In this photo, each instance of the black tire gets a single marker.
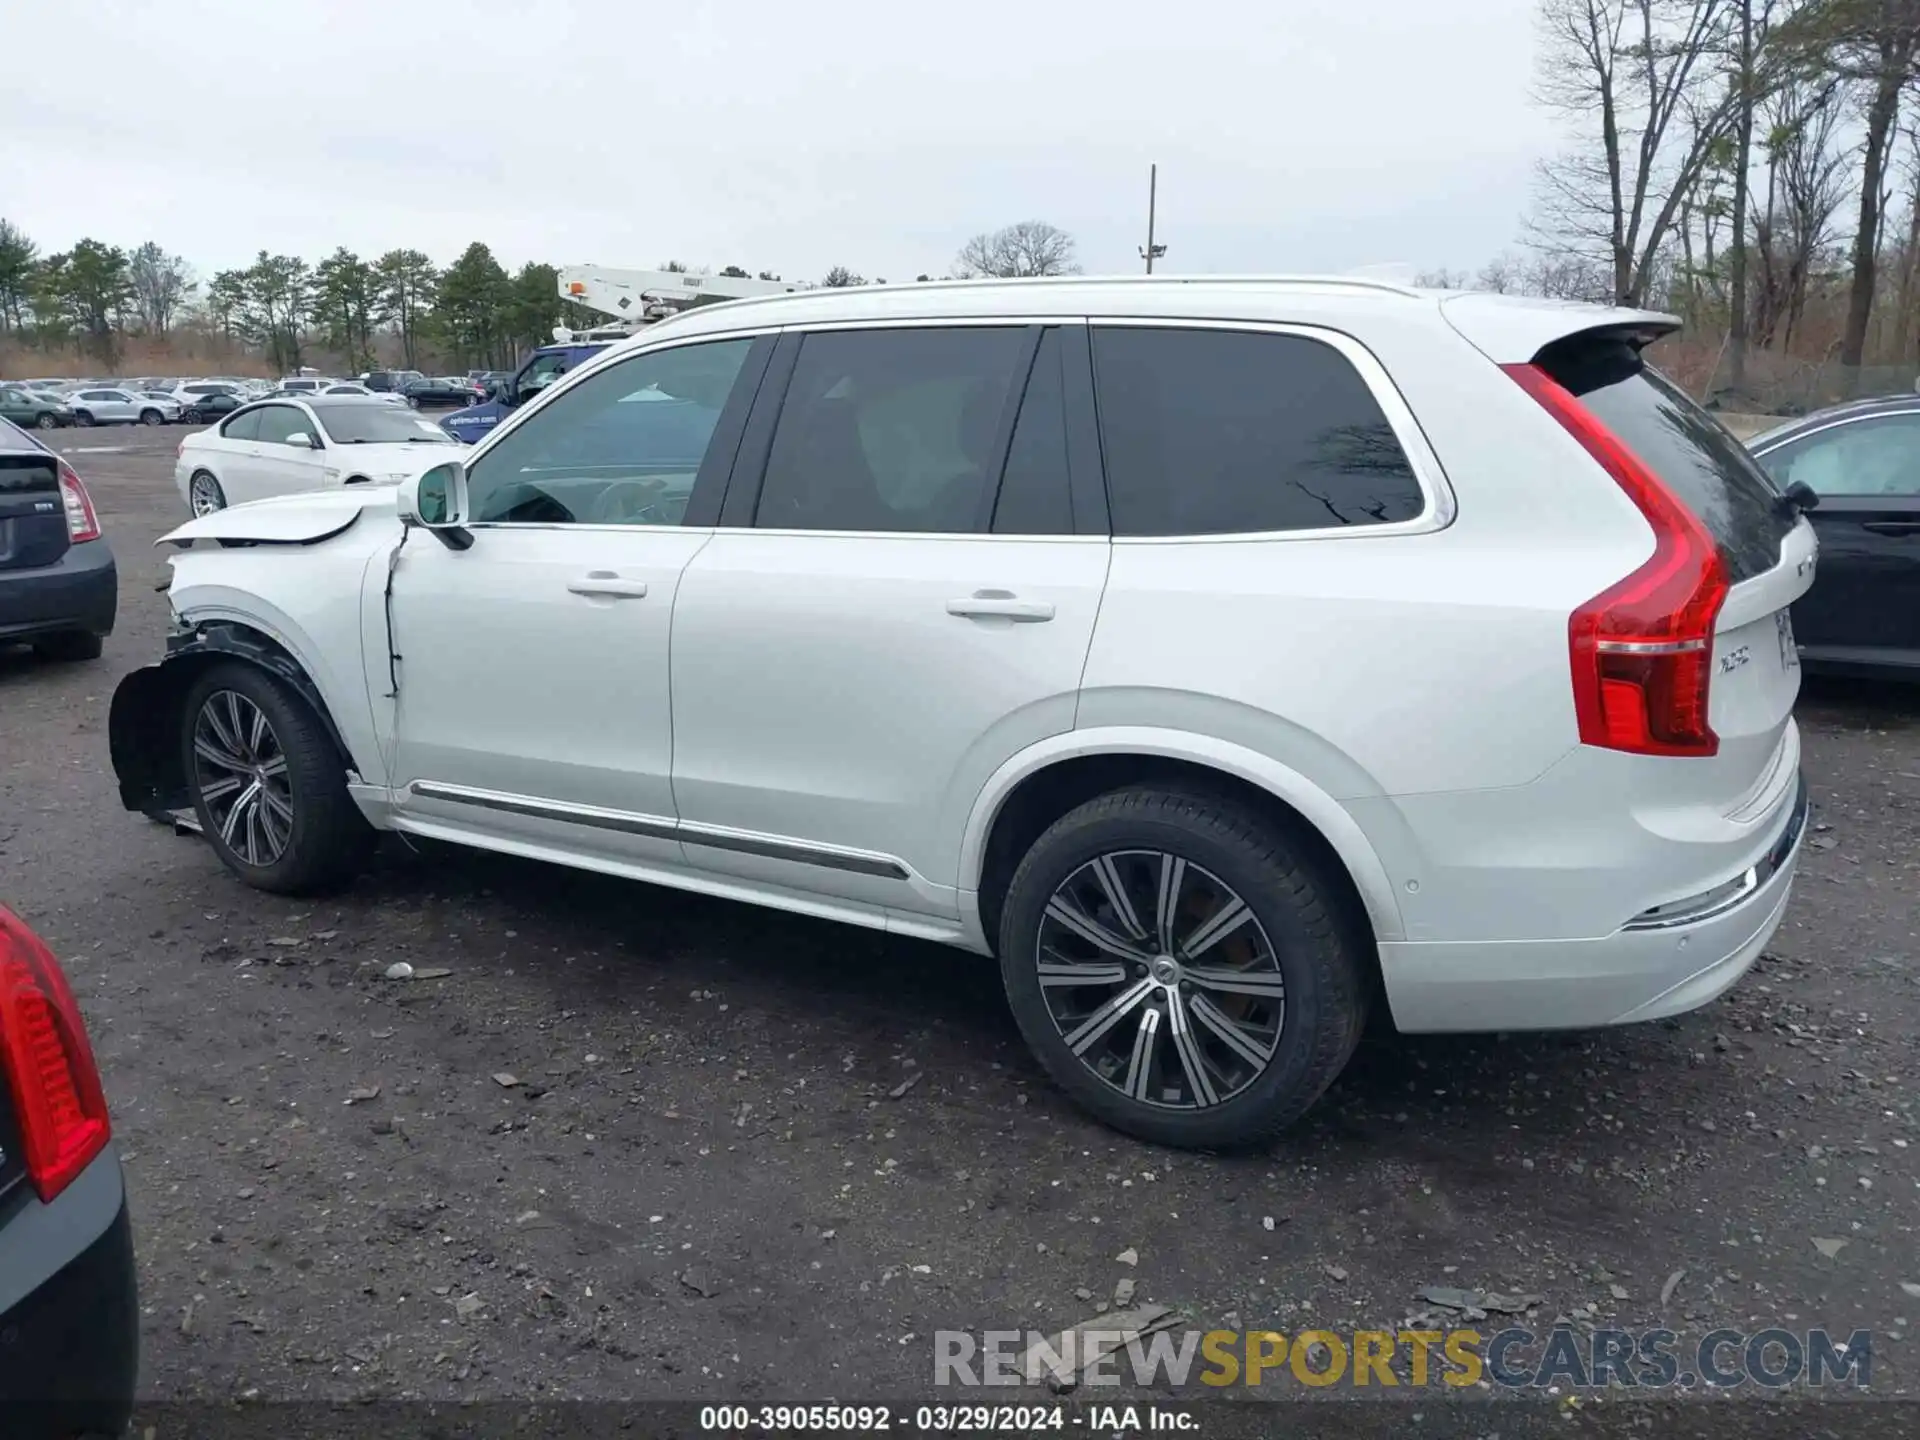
(83, 417)
(327, 837)
(69, 645)
(151, 417)
(1319, 957)
(45, 420)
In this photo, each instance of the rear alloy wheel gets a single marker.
(151, 417)
(204, 495)
(1178, 967)
(269, 787)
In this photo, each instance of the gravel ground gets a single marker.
(639, 1144)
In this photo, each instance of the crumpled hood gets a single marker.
(302, 519)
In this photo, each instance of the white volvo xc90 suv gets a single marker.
(1225, 656)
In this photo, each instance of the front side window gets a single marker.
(1222, 432)
(541, 372)
(1862, 457)
(891, 430)
(623, 448)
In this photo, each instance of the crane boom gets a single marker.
(635, 298)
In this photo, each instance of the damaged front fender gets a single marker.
(145, 721)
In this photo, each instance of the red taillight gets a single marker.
(1642, 649)
(82, 523)
(49, 1065)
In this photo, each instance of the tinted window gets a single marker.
(1212, 432)
(279, 423)
(890, 430)
(1710, 471)
(1880, 456)
(1034, 494)
(244, 426)
(623, 448)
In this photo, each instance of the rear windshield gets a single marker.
(368, 423)
(30, 474)
(1702, 464)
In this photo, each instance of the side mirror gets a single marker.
(436, 501)
(300, 440)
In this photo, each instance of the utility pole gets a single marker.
(1152, 251)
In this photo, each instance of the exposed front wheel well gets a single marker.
(357, 480)
(1046, 795)
(143, 722)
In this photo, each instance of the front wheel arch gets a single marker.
(143, 722)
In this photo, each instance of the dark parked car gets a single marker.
(395, 380)
(69, 1314)
(441, 394)
(205, 409)
(59, 589)
(1862, 615)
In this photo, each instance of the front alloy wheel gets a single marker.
(240, 772)
(1160, 979)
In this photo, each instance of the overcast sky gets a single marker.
(781, 136)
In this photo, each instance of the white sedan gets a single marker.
(281, 447)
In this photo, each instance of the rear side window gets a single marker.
(891, 430)
(1705, 467)
(1035, 492)
(244, 426)
(1221, 432)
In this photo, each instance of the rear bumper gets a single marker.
(1660, 965)
(69, 1345)
(81, 591)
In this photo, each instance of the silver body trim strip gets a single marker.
(1730, 895)
(659, 827)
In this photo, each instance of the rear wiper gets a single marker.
(1797, 499)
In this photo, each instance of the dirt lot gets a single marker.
(709, 1183)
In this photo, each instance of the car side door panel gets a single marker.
(1864, 606)
(841, 695)
(532, 708)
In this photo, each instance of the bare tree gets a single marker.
(1029, 247)
(1630, 76)
(160, 283)
(1874, 47)
(1753, 19)
(1805, 186)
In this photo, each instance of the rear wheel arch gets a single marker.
(1014, 813)
(146, 714)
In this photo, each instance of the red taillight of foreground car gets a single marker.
(1642, 650)
(82, 522)
(49, 1064)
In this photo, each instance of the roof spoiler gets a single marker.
(1513, 330)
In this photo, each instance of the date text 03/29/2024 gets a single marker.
(960, 1419)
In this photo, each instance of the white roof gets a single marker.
(1507, 328)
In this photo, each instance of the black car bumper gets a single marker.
(70, 1347)
(80, 591)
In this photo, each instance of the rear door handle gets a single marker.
(1003, 604)
(607, 585)
(1892, 527)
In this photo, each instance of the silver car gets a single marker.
(110, 405)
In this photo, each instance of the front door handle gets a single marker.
(1892, 527)
(1002, 604)
(604, 584)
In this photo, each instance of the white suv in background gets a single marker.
(1222, 655)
